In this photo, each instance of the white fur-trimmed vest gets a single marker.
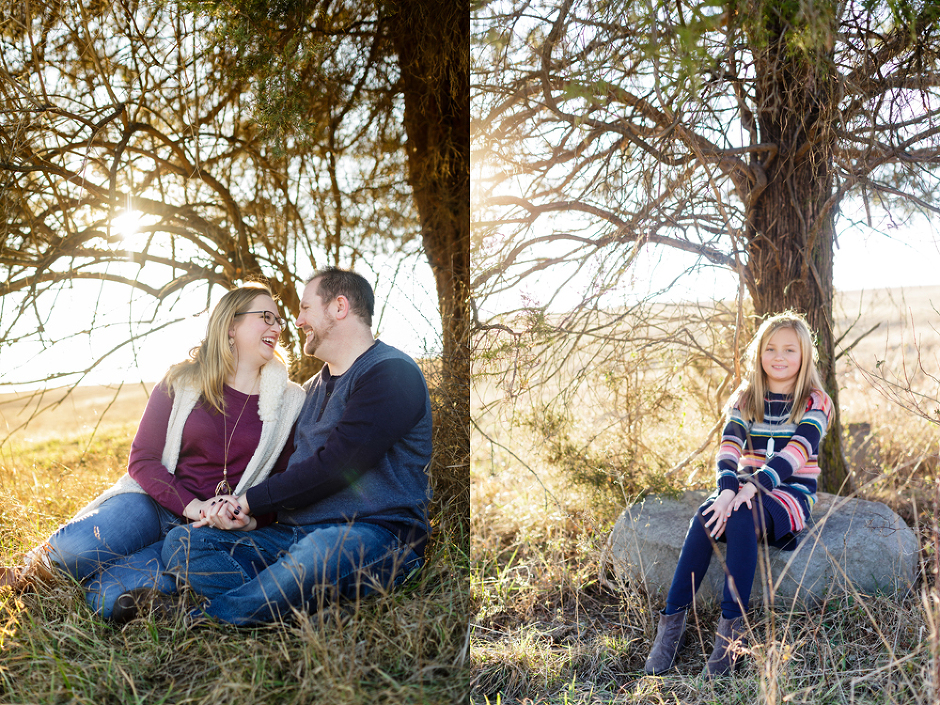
(279, 404)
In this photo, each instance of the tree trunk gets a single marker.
(432, 41)
(790, 230)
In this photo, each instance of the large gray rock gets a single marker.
(849, 542)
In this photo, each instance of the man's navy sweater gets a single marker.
(362, 447)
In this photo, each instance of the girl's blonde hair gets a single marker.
(213, 359)
(750, 395)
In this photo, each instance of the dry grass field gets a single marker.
(33, 416)
(547, 487)
(405, 647)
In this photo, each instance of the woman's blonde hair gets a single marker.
(213, 359)
(750, 395)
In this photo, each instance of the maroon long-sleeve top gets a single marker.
(202, 452)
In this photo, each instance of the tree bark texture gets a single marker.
(790, 229)
(432, 40)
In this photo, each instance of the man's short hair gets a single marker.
(333, 282)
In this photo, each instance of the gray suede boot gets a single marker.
(729, 643)
(670, 637)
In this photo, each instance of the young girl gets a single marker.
(767, 478)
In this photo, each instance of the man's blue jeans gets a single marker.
(115, 548)
(264, 575)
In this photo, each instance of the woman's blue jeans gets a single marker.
(254, 577)
(115, 548)
(741, 534)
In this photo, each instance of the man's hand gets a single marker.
(720, 511)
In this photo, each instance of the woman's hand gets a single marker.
(225, 512)
(196, 509)
(745, 494)
(720, 510)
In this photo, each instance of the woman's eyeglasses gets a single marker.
(269, 317)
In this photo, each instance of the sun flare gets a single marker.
(127, 224)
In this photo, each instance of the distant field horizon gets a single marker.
(59, 411)
(31, 417)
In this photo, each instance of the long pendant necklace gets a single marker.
(770, 441)
(223, 487)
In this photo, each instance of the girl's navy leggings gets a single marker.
(742, 532)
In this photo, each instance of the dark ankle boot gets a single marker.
(670, 638)
(729, 643)
(142, 601)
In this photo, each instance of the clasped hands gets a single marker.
(222, 512)
(727, 502)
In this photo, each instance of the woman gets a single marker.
(219, 422)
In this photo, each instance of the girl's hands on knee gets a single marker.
(745, 494)
(720, 510)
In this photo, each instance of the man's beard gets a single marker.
(316, 337)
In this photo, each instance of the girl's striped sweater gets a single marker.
(781, 457)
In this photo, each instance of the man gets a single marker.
(351, 505)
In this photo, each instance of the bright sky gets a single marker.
(865, 259)
(406, 317)
(862, 261)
